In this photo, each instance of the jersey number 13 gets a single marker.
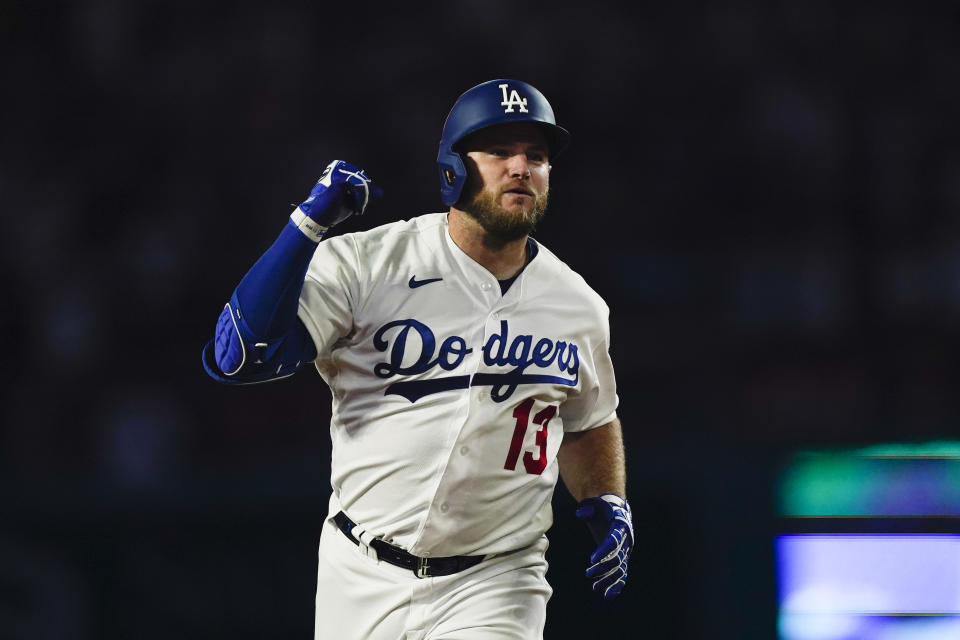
(542, 418)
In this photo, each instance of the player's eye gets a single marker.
(537, 156)
(499, 152)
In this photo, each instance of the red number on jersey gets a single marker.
(537, 465)
(522, 415)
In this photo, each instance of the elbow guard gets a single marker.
(237, 356)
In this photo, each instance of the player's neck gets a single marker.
(502, 259)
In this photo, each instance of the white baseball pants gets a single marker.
(362, 598)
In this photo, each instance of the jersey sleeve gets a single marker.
(596, 403)
(330, 292)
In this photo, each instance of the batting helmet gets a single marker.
(491, 103)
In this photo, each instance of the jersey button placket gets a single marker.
(491, 326)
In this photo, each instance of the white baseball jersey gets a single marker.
(450, 399)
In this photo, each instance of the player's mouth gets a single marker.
(520, 191)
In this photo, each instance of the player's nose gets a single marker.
(518, 165)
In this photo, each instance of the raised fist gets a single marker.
(343, 190)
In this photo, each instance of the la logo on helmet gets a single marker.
(514, 100)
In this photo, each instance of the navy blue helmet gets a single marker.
(491, 103)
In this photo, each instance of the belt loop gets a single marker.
(363, 541)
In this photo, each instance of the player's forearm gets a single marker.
(592, 462)
(269, 293)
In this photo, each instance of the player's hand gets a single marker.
(608, 517)
(343, 190)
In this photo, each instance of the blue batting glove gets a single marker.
(609, 520)
(343, 190)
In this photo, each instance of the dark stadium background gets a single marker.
(766, 194)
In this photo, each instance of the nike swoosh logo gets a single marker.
(414, 283)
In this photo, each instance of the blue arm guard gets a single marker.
(255, 362)
(258, 336)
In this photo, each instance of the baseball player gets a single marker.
(469, 368)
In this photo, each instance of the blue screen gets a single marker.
(868, 587)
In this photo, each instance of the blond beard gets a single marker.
(485, 208)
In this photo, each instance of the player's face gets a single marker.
(508, 179)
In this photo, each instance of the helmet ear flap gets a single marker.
(453, 176)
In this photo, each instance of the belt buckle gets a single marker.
(423, 565)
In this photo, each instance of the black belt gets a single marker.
(421, 567)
